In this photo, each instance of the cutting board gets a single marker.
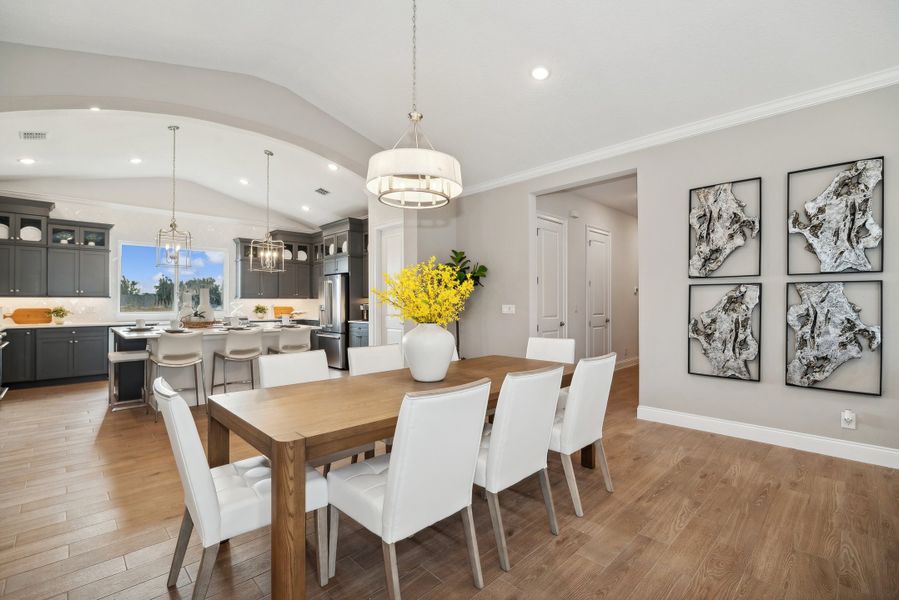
(282, 310)
(24, 316)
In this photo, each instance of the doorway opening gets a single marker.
(586, 268)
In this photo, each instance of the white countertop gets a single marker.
(125, 333)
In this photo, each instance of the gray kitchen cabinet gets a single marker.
(53, 354)
(70, 352)
(89, 351)
(358, 335)
(62, 272)
(269, 285)
(7, 270)
(315, 280)
(93, 273)
(293, 282)
(30, 271)
(77, 273)
(18, 356)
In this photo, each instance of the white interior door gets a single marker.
(390, 260)
(551, 301)
(599, 318)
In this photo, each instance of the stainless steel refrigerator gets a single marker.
(333, 318)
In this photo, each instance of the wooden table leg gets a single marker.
(218, 440)
(289, 519)
(588, 456)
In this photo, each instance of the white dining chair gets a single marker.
(297, 367)
(579, 422)
(375, 359)
(177, 351)
(515, 446)
(551, 349)
(427, 477)
(226, 501)
(304, 367)
(555, 350)
(240, 347)
(293, 339)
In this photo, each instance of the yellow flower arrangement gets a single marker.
(427, 293)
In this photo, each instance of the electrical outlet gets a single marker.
(508, 309)
(847, 419)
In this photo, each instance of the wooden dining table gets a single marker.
(294, 424)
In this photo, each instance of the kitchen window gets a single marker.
(145, 289)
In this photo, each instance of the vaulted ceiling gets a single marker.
(619, 70)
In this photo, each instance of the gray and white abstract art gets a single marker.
(725, 334)
(839, 223)
(720, 225)
(827, 329)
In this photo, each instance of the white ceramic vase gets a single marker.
(205, 306)
(429, 351)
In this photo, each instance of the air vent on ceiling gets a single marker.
(32, 136)
(322, 191)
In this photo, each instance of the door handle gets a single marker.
(331, 336)
(561, 323)
(608, 320)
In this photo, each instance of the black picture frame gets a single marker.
(882, 218)
(787, 289)
(729, 286)
(690, 234)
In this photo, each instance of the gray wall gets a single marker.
(622, 229)
(496, 226)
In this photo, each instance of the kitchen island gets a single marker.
(213, 341)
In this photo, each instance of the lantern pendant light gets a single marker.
(173, 244)
(267, 255)
(414, 177)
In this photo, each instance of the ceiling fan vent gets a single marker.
(322, 191)
(33, 136)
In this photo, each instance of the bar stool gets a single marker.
(178, 351)
(240, 346)
(293, 340)
(118, 358)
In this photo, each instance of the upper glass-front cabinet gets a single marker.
(23, 228)
(62, 234)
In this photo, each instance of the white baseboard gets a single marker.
(627, 362)
(866, 453)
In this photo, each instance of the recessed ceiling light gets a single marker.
(244, 181)
(95, 109)
(136, 161)
(332, 166)
(27, 161)
(539, 73)
(305, 208)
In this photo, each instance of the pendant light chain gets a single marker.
(174, 130)
(268, 163)
(414, 59)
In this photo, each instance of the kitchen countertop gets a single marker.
(9, 324)
(125, 334)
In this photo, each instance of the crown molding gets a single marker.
(822, 95)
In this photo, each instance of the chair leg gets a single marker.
(548, 500)
(153, 371)
(471, 540)
(187, 526)
(204, 575)
(391, 571)
(225, 375)
(212, 381)
(252, 375)
(203, 381)
(321, 546)
(607, 477)
(572, 484)
(197, 382)
(332, 541)
(498, 531)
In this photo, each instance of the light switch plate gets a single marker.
(508, 309)
(847, 419)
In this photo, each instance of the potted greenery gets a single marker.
(260, 310)
(465, 270)
(433, 296)
(59, 314)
